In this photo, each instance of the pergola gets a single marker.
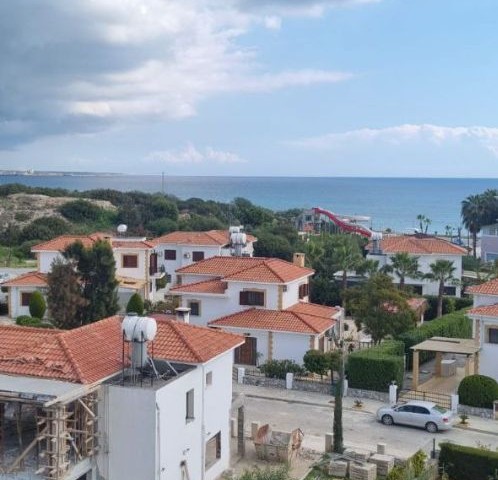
(440, 345)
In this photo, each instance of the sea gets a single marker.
(389, 202)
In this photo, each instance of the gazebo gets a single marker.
(441, 345)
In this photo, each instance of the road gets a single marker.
(360, 428)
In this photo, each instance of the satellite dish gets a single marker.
(122, 228)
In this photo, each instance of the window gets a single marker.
(421, 410)
(417, 289)
(304, 290)
(169, 254)
(130, 261)
(195, 308)
(189, 403)
(25, 298)
(213, 450)
(197, 256)
(251, 297)
(209, 378)
(493, 335)
(450, 291)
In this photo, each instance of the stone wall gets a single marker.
(370, 394)
(301, 385)
(478, 412)
(264, 382)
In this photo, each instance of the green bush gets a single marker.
(279, 368)
(374, 370)
(80, 211)
(456, 325)
(450, 305)
(467, 463)
(27, 321)
(478, 391)
(135, 304)
(268, 473)
(37, 305)
(316, 361)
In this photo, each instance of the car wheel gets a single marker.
(431, 427)
(387, 420)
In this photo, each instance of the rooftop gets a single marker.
(209, 238)
(207, 286)
(93, 352)
(29, 279)
(487, 288)
(485, 310)
(448, 345)
(418, 245)
(250, 269)
(279, 320)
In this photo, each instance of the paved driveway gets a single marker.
(361, 430)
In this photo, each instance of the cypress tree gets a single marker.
(135, 305)
(37, 305)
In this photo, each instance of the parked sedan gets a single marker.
(426, 415)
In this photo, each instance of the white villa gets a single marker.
(264, 299)
(484, 315)
(101, 410)
(428, 249)
(179, 249)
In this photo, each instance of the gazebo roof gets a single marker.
(464, 346)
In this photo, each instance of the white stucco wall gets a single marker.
(291, 296)
(488, 355)
(484, 300)
(291, 346)
(140, 272)
(211, 307)
(45, 260)
(14, 300)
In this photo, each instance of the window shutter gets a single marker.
(243, 298)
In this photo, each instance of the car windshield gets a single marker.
(439, 409)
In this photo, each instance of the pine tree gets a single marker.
(65, 296)
(97, 270)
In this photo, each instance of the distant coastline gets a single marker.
(43, 173)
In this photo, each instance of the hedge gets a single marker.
(280, 368)
(456, 325)
(467, 463)
(450, 305)
(478, 391)
(375, 368)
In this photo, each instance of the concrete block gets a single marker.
(381, 448)
(233, 427)
(338, 468)
(385, 463)
(367, 471)
(329, 442)
(254, 429)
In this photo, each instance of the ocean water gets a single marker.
(390, 202)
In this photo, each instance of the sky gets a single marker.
(369, 88)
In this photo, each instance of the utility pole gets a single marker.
(162, 182)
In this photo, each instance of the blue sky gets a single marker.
(250, 87)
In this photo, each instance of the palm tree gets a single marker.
(442, 272)
(424, 223)
(404, 265)
(473, 214)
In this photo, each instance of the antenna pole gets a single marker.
(162, 182)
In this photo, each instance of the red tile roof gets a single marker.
(485, 310)
(419, 245)
(250, 269)
(93, 352)
(314, 309)
(59, 244)
(138, 244)
(29, 279)
(276, 320)
(209, 238)
(207, 286)
(487, 288)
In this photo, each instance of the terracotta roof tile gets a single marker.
(59, 244)
(251, 269)
(207, 286)
(93, 352)
(29, 279)
(209, 238)
(487, 288)
(136, 244)
(276, 320)
(314, 309)
(485, 310)
(419, 245)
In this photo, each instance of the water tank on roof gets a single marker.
(235, 229)
(122, 228)
(139, 329)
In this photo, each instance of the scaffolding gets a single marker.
(66, 434)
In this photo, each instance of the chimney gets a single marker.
(183, 314)
(298, 259)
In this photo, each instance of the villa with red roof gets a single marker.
(179, 249)
(97, 414)
(484, 315)
(427, 249)
(264, 299)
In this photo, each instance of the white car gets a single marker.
(416, 413)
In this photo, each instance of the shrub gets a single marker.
(37, 305)
(81, 211)
(478, 391)
(135, 304)
(450, 305)
(268, 473)
(467, 463)
(279, 368)
(44, 228)
(27, 321)
(397, 473)
(455, 324)
(417, 462)
(316, 361)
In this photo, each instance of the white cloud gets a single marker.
(107, 61)
(191, 155)
(486, 137)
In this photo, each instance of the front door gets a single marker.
(246, 354)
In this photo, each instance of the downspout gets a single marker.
(203, 426)
(158, 441)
